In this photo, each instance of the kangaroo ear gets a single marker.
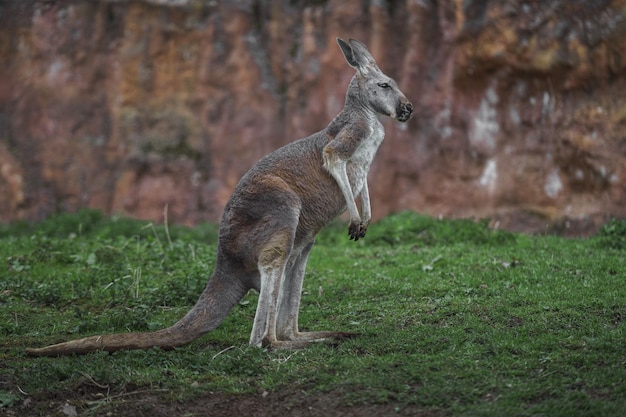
(348, 53)
(357, 55)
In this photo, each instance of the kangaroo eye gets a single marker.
(384, 85)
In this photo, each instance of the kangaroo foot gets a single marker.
(323, 336)
(301, 340)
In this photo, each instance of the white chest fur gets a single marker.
(359, 164)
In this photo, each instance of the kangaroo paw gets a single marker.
(356, 230)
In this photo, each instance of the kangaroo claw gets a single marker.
(357, 230)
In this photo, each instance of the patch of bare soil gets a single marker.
(284, 404)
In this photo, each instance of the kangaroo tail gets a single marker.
(218, 298)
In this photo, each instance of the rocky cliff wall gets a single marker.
(128, 106)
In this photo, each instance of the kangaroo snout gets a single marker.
(404, 111)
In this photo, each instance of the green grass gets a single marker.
(454, 317)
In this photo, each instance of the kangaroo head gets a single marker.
(375, 89)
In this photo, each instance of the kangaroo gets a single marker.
(268, 226)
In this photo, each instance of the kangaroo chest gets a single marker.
(359, 164)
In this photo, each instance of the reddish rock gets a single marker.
(128, 106)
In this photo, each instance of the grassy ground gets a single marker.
(455, 319)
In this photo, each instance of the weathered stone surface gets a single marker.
(129, 106)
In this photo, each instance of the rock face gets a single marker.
(129, 106)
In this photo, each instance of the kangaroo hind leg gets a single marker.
(272, 262)
(289, 335)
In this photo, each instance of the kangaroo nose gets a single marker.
(404, 111)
